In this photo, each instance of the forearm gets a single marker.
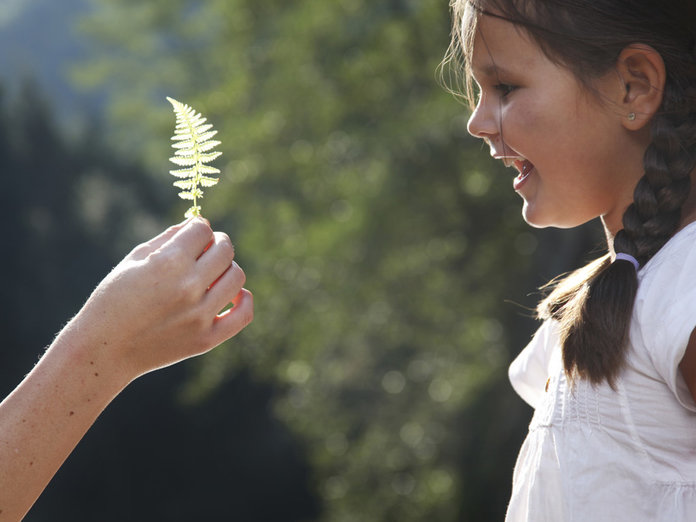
(46, 416)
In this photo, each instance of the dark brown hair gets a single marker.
(594, 304)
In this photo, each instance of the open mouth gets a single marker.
(525, 168)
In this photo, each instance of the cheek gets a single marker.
(527, 119)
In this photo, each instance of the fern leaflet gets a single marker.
(194, 150)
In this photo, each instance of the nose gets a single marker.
(483, 122)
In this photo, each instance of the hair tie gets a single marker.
(628, 257)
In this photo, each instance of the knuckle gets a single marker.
(200, 226)
(201, 229)
(225, 245)
(240, 276)
(166, 261)
(138, 251)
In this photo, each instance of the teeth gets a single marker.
(526, 167)
(522, 165)
(511, 161)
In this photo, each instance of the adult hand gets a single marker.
(164, 301)
(161, 304)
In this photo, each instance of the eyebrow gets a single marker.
(491, 70)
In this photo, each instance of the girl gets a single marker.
(593, 102)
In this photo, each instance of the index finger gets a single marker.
(143, 250)
(193, 237)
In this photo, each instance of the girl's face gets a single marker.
(574, 158)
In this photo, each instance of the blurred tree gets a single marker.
(63, 217)
(380, 243)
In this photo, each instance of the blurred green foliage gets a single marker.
(380, 242)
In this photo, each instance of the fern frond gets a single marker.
(182, 173)
(193, 149)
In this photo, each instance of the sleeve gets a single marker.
(667, 316)
(529, 371)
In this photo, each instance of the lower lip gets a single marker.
(520, 180)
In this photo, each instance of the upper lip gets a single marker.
(510, 160)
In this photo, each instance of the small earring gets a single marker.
(631, 116)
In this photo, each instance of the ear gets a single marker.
(642, 72)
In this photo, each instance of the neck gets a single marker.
(688, 215)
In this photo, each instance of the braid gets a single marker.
(596, 318)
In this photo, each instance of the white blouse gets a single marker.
(598, 454)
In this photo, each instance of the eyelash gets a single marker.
(504, 89)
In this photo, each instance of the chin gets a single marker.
(533, 217)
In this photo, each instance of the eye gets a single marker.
(504, 89)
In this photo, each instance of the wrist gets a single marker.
(86, 359)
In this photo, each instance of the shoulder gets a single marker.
(672, 266)
(668, 278)
(664, 314)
